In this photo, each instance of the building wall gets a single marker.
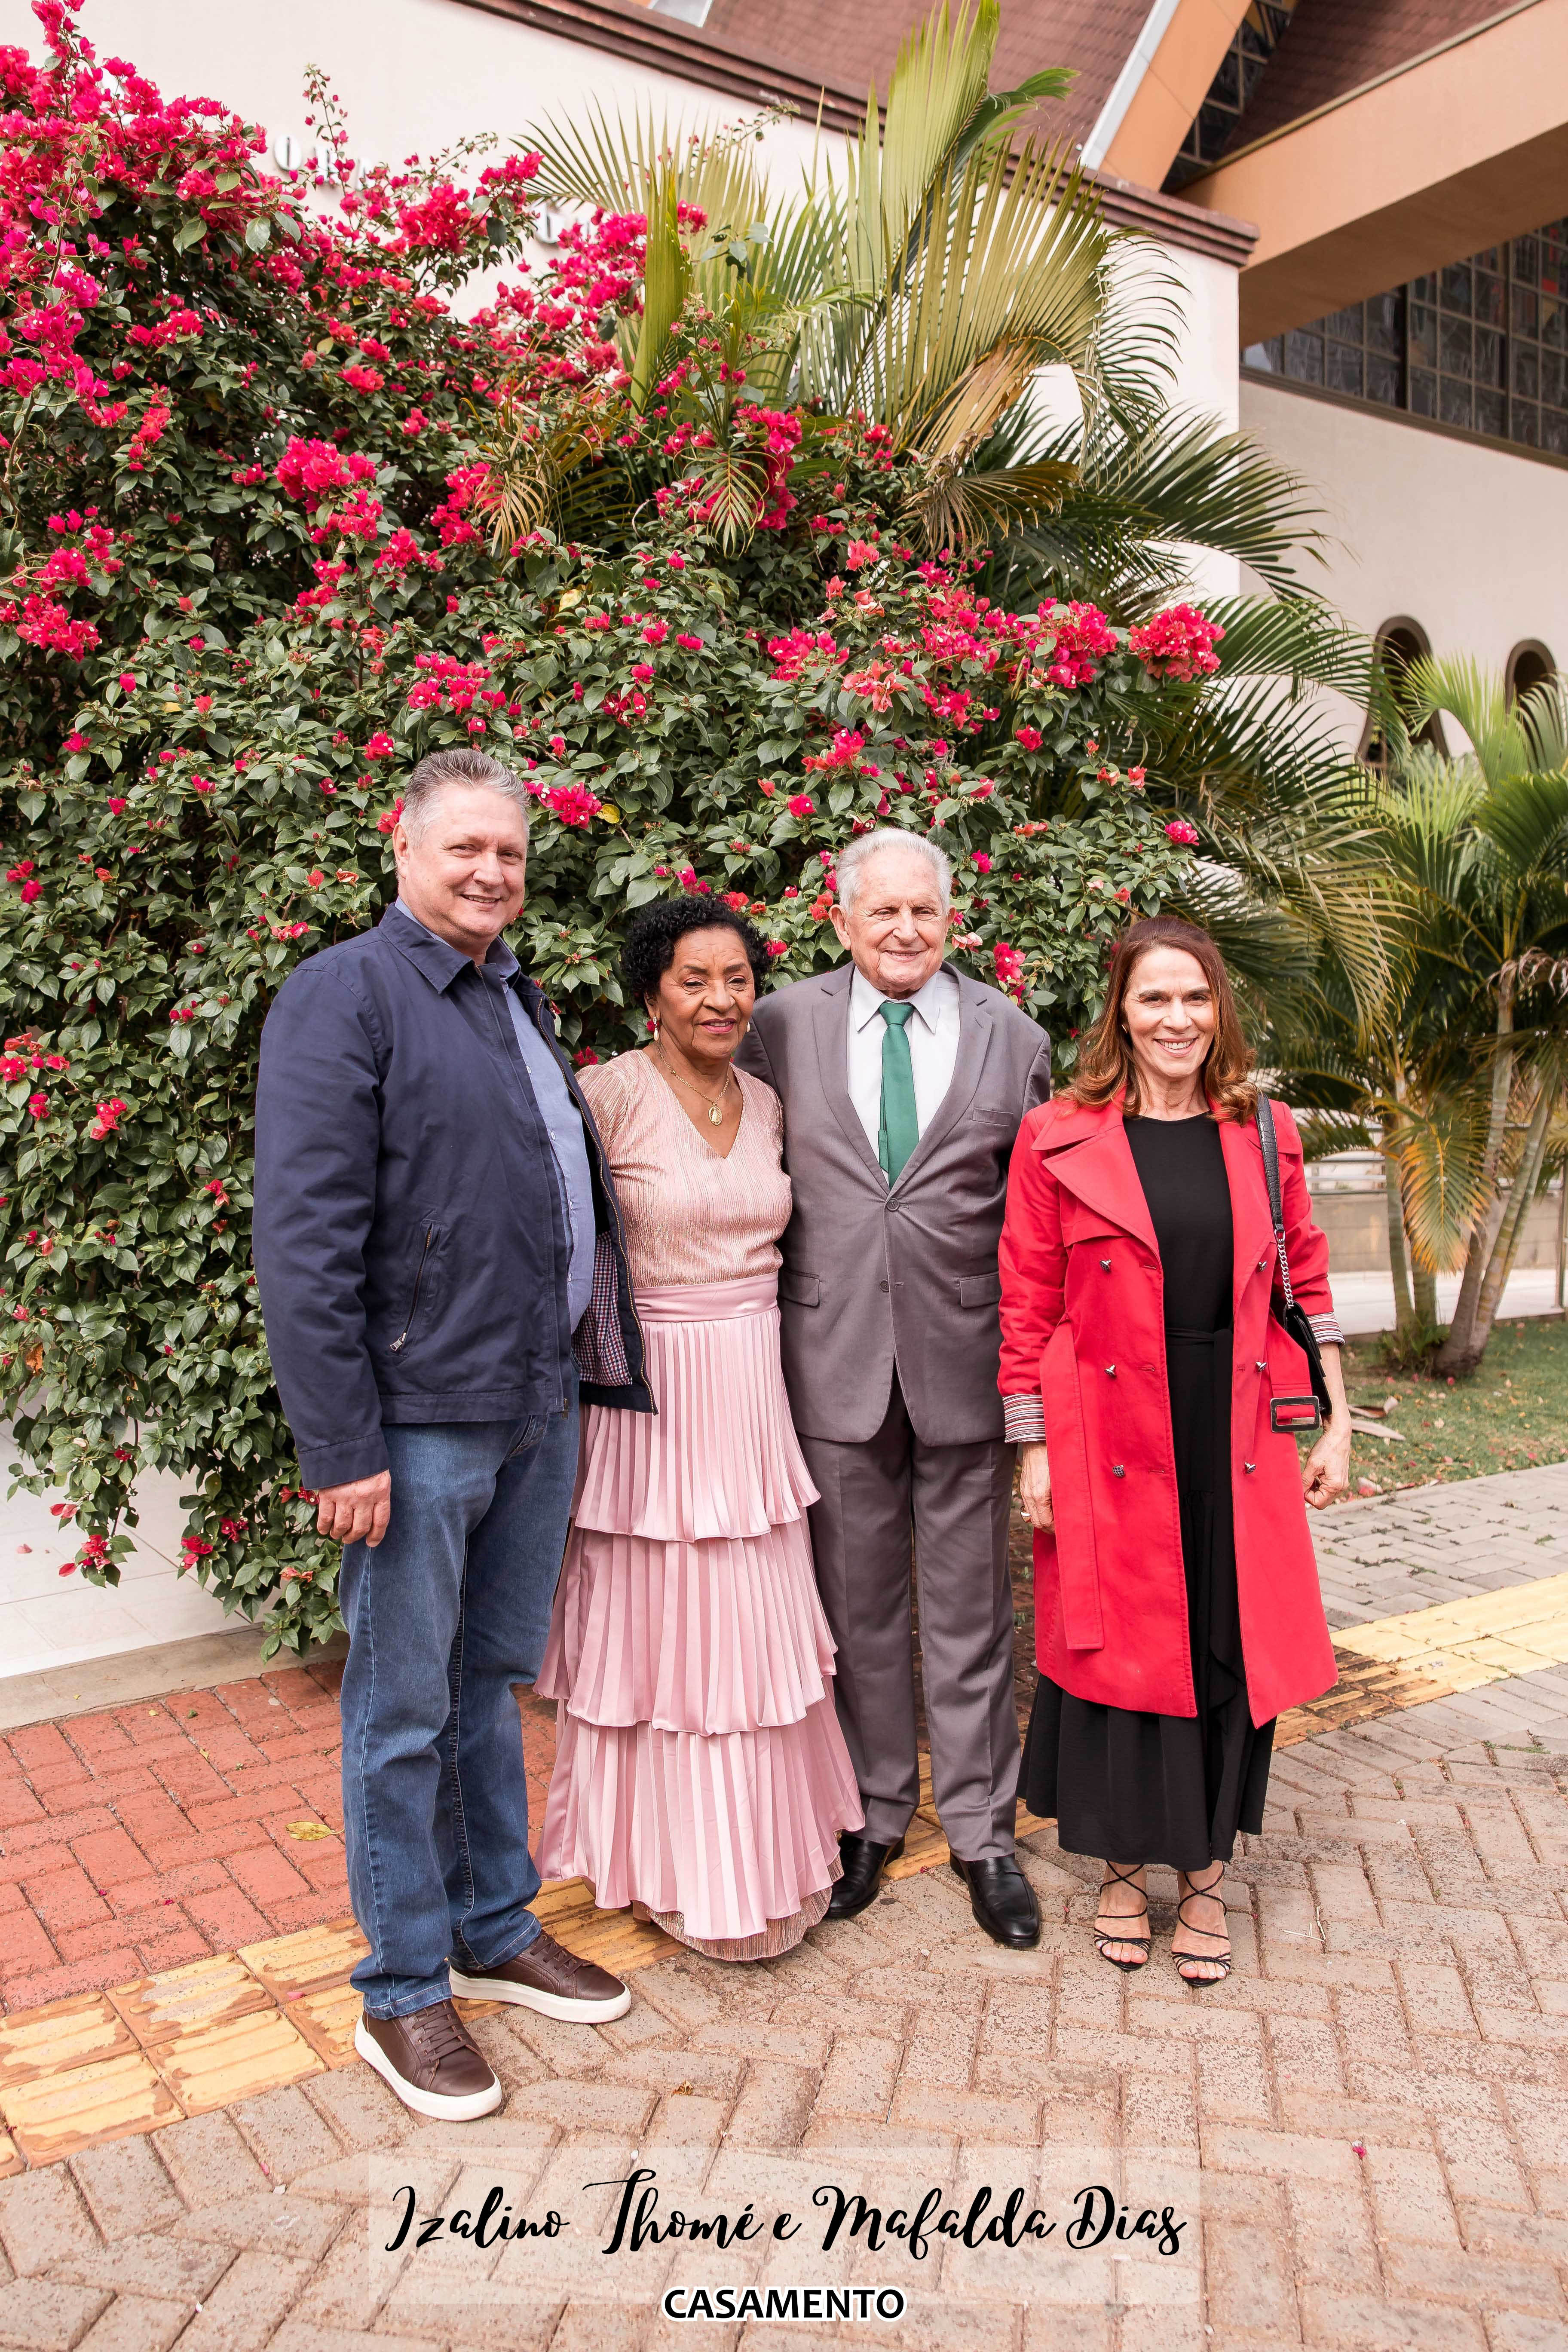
(414, 75)
(1464, 539)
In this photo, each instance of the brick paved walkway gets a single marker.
(1367, 2127)
(1365, 2130)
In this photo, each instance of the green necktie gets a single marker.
(899, 1129)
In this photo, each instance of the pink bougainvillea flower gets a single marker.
(802, 804)
(380, 747)
(1181, 831)
(1177, 642)
(575, 804)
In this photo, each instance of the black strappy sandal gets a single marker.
(1220, 1960)
(1124, 1878)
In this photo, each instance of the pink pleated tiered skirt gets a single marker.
(701, 1776)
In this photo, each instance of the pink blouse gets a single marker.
(691, 1215)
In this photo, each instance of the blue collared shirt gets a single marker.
(567, 1143)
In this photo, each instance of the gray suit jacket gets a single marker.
(874, 1278)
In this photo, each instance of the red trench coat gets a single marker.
(1083, 1324)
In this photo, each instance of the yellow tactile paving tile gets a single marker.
(311, 1957)
(62, 2036)
(219, 2063)
(198, 2037)
(614, 1938)
(1516, 1631)
(327, 2020)
(204, 1993)
(55, 2116)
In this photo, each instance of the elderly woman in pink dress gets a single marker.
(700, 1775)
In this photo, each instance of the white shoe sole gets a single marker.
(425, 2102)
(548, 2004)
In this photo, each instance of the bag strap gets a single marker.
(1270, 1148)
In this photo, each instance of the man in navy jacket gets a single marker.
(443, 1275)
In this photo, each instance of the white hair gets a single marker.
(866, 845)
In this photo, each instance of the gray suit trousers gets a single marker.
(948, 1505)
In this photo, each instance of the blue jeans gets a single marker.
(450, 1610)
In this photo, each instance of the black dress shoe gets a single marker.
(1001, 1899)
(864, 1862)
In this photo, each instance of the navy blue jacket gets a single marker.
(409, 1239)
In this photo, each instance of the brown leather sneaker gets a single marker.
(548, 1978)
(431, 2062)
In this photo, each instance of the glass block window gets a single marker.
(1230, 92)
(1480, 345)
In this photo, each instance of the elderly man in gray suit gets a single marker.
(903, 1084)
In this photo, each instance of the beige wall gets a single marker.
(1355, 1225)
(1466, 539)
(414, 73)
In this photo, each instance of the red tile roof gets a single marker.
(858, 44)
(1332, 47)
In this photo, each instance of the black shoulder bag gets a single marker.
(1289, 1413)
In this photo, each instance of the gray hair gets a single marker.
(464, 765)
(865, 847)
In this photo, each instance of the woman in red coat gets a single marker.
(1177, 1610)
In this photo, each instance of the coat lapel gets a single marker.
(830, 1024)
(1251, 1225)
(973, 1037)
(1094, 1161)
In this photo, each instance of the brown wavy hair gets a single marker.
(1105, 1062)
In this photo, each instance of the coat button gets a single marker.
(1249, 1465)
(882, 1285)
(1117, 1471)
(1105, 1261)
(1258, 1365)
(1110, 1372)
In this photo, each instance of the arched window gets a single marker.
(1529, 665)
(1399, 643)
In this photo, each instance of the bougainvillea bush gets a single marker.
(247, 578)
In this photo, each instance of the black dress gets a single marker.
(1120, 1784)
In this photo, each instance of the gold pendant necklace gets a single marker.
(715, 1116)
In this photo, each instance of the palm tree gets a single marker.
(927, 282)
(1508, 916)
(1396, 1069)
(1457, 1061)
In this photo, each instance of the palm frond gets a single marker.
(1472, 695)
(666, 281)
(937, 88)
(1437, 1153)
(960, 508)
(1008, 260)
(1543, 716)
(1294, 637)
(1181, 482)
(732, 491)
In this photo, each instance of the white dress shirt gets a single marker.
(932, 1033)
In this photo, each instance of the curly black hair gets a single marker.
(648, 949)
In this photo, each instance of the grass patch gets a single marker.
(1513, 1415)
